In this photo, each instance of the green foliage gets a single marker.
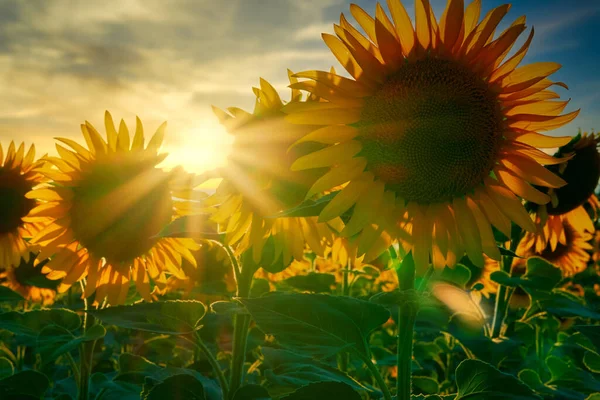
(477, 380)
(317, 324)
(9, 296)
(24, 385)
(175, 317)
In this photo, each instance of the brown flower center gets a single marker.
(118, 206)
(13, 204)
(432, 131)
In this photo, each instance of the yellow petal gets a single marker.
(328, 156)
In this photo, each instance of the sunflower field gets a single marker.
(401, 229)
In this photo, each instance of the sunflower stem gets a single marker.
(376, 374)
(241, 322)
(407, 316)
(214, 364)
(504, 294)
(343, 358)
(86, 354)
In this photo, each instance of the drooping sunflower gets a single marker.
(258, 184)
(573, 203)
(19, 173)
(27, 280)
(107, 203)
(436, 124)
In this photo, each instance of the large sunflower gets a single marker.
(19, 173)
(258, 184)
(434, 125)
(107, 203)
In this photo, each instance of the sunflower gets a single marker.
(570, 251)
(258, 184)
(106, 204)
(573, 202)
(434, 126)
(19, 173)
(28, 280)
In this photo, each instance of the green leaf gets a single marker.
(6, 368)
(593, 396)
(313, 282)
(227, 308)
(540, 275)
(191, 226)
(54, 341)
(426, 384)
(324, 391)
(507, 252)
(567, 374)
(30, 323)
(9, 296)
(24, 385)
(592, 361)
(108, 389)
(477, 380)
(176, 317)
(562, 304)
(180, 387)
(286, 369)
(252, 392)
(318, 324)
(308, 208)
(134, 368)
(460, 275)
(592, 332)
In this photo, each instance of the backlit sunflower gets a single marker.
(570, 251)
(28, 280)
(257, 183)
(19, 173)
(106, 204)
(571, 204)
(435, 125)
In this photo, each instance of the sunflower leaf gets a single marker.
(176, 317)
(28, 324)
(54, 341)
(24, 385)
(252, 392)
(322, 326)
(477, 380)
(324, 391)
(9, 296)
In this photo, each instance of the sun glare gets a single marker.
(202, 148)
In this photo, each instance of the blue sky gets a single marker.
(65, 61)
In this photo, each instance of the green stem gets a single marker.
(86, 355)
(74, 367)
(503, 295)
(241, 323)
(407, 315)
(343, 358)
(214, 364)
(376, 374)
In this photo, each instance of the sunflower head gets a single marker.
(19, 173)
(439, 125)
(27, 280)
(107, 203)
(581, 172)
(565, 246)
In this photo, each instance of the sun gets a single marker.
(204, 147)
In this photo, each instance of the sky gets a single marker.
(66, 61)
